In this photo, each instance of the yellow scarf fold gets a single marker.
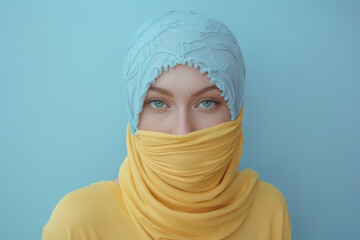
(187, 186)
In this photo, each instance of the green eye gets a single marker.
(157, 104)
(207, 103)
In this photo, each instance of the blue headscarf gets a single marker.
(175, 37)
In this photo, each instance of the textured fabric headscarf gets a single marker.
(175, 37)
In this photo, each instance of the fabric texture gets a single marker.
(95, 212)
(175, 37)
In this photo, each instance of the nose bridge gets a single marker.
(183, 124)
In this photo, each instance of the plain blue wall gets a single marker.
(63, 120)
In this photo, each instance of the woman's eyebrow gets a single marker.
(161, 90)
(203, 90)
(166, 92)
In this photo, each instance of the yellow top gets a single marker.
(94, 212)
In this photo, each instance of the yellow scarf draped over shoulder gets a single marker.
(187, 186)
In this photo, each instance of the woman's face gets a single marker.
(183, 100)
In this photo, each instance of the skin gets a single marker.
(181, 101)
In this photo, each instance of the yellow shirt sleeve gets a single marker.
(92, 212)
(268, 217)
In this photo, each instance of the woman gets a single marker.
(184, 80)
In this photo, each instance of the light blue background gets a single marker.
(63, 119)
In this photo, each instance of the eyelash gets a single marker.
(215, 103)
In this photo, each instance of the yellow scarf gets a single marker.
(187, 186)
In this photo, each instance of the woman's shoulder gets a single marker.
(88, 196)
(269, 208)
(269, 199)
(266, 194)
(270, 193)
(87, 206)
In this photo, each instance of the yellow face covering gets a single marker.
(187, 186)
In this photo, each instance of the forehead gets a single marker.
(182, 77)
